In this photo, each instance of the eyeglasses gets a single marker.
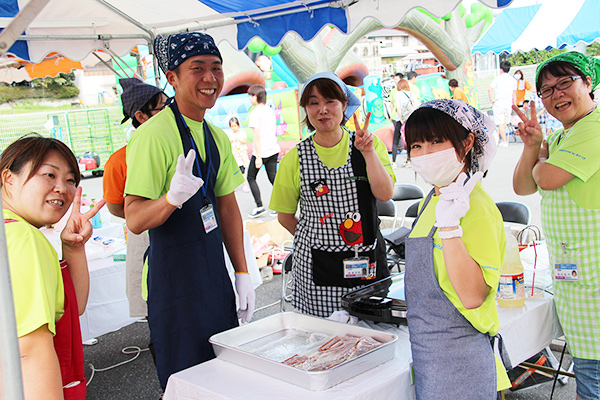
(167, 102)
(562, 85)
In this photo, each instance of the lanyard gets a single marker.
(187, 132)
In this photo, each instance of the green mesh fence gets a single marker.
(95, 130)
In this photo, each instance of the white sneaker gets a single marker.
(503, 144)
(257, 212)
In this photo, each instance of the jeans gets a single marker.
(587, 374)
(270, 164)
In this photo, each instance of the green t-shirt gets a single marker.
(152, 156)
(577, 151)
(37, 285)
(286, 189)
(485, 240)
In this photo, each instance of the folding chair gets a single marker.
(387, 209)
(285, 282)
(407, 191)
(514, 211)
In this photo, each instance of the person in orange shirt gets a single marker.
(457, 92)
(523, 85)
(140, 102)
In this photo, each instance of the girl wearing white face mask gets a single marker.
(453, 255)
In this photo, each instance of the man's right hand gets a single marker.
(183, 184)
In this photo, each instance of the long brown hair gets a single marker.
(34, 148)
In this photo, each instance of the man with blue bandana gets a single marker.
(181, 179)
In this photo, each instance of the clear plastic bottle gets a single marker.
(511, 290)
(95, 221)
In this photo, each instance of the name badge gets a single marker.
(565, 272)
(357, 267)
(208, 218)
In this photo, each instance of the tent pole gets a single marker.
(107, 65)
(115, 57)
(11, 381)
(19, 23)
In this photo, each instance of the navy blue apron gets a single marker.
(190, 296)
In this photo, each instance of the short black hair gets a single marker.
(426, 124)
(260, 93)
(152, 103)
(505, 66)
(558, 69)
(411, 74)
(399, 74)
(453, 83)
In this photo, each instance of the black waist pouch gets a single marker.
(328, 267)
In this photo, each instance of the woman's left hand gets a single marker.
(79, 229)
(365, 140)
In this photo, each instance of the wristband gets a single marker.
(455, 233)
(174, 205)
(243, 273)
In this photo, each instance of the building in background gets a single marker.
(387, 51)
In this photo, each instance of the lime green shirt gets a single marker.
(152, 156)
(577, 151)
(484, 238)
(37, 285)
(153, 150)
(286, 189)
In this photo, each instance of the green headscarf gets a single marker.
(586, 64)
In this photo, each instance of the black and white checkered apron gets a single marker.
(318, 228)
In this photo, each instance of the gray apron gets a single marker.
(451, 359)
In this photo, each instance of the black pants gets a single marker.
(396, 141)
(270, 164)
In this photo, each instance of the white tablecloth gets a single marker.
(108, 308)
(526, 331)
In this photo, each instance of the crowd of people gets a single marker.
(175, 181)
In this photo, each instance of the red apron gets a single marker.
(67, 343)
(67, 340)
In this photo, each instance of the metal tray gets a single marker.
(247, 346)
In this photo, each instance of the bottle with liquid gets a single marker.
(95, 221)
(511, 289)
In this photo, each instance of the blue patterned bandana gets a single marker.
(474, 121)
(172, 50)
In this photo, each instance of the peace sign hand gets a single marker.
(183, 184)
(78, 228)
(365, 140)
(529, 130)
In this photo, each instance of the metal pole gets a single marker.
(11, 381)
(19, 23)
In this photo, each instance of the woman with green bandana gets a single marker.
(565, 170)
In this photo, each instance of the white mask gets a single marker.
(439, 168)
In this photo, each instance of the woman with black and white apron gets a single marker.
(453, 256)
(335, 175)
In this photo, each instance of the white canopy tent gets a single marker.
(535, 24)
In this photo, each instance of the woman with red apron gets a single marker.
(39, 178)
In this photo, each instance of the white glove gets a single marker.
(183, 184)
(454, 201)
(246, 296)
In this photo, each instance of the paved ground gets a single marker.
(137, 379)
